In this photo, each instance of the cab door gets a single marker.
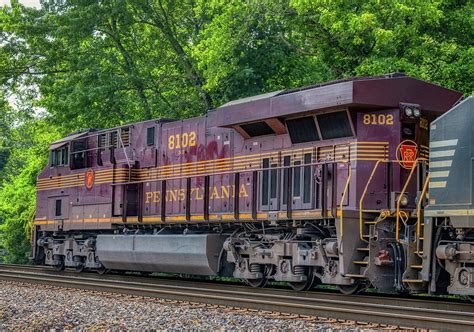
(302, 181)
(270, 185)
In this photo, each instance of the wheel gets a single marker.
(145, 274)
(102, 270)
(59, 266)
(304, 285)
(261, 282)
(79, 268)
(349, 289)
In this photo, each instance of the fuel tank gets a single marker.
(176, 253)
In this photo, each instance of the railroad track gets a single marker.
(420, 313)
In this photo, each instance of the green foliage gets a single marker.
(431, 40)
(76, 64)
(17, 192)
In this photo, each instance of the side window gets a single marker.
(60, 157)
(58, 211)
(150, 136)
(102, 143)
(78, 155)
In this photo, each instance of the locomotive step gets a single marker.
(363, 249)
(413, 281)
(419, 252)
(419, 267)
(370, 222)
(360, 262)
(355, 275)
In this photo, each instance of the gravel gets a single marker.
(38, 307)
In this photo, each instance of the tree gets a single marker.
(430, 40)
(75, 64)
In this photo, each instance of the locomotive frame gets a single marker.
(323, 184)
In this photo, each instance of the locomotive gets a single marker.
(336, 184)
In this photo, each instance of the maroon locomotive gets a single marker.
(323, 184)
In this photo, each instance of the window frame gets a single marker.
(54, 161)
(58, 208)
(74, 153)
(153, 128)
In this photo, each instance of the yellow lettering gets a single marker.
(215, 193)
(378, 119)
(225, 191)
(199, 195)
(156, 197)
(243, 191)
(171, 195)
(181, 194)
(148, 196)
(178, 141)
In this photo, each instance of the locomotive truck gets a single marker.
(336, 183)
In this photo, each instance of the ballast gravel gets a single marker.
(38, 307)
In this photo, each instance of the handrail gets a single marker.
(418, 214)
(361, 221)
(342, 200)
(119, 136)
(405, 186)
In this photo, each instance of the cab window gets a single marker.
(78, 155)
(60, 157)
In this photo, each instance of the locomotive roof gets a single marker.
(360, 93)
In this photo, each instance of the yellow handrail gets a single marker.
(361, 222)
(397, 216)
(418, 214)
(342, 200)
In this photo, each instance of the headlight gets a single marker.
(404, 200)
(408, 112)
(416, 112)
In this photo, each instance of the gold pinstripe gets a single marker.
(364, 151)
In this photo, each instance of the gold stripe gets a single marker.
(204, 167)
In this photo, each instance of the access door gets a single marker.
(269, 188)
(302, 181)
(132, 200)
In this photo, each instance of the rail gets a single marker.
(427, 313)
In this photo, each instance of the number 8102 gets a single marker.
(179, 141)
(378, 119)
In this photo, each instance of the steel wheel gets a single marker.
(79, 268)
(304, 285)
(349, 289)
(60, 266)
(102, 270)
(261, 282)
